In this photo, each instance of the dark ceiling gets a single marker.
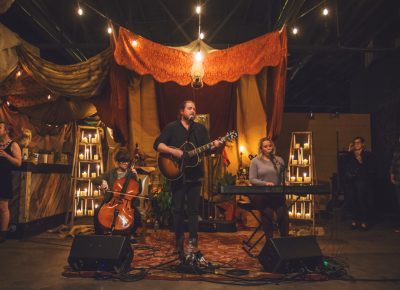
(324, 57)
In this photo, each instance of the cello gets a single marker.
(118, 214)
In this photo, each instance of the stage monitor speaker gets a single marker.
(290, 254)
(103, 253)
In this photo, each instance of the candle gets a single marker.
(301, 156)
(86, 192)
(98, 169)
(82, 207)
(307, 179)
(90, 138)
(93, 174)
(85, 140)
(96, 205)
(297, 146)
(88, 169)
(81, 156)
(78, 192)
(306, 146)
(94, 138)
(95, 157)
(297, 172)
(85, 212)
(308, 216)
(305, 161)
(92, 204)
(83, 133)
(90, 212)
(95, 192)
(90, 146)
(78, 212)
(298, 215)
(292, 178)
(87, 154)
(84, 174)
(79, 169)
(294, 162)
(299, 179)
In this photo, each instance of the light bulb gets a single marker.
(80, 11)
(241, 148)
(49, 97)
(201, 35)
(325, 11)
(198, 9)
(198, 56)
(109, 30)
(134, 42)
(295, 30)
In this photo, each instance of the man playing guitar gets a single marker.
(188, 185)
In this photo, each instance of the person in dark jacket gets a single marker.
(359, 173)
(185, 189)
(106, 182)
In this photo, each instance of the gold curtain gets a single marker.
(82, 80)
(143, 116)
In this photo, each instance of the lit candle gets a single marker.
(93, 174)
(305, 161)
(95, 157)
(306, 146)
(298, 215)
(94, 138)
(292, 178)
(308, 216)
(297, 146)
(86, 192)
(81, 156)
(84, 174)
(87, 154)
(95, 192)
(301, 156)
(78, 212)
(294, 162)
(96, 205)
(78, 192)
(299, 179)
(90, 212)
(90, 138)
(84, 140)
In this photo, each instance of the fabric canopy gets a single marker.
(170, 64)
(82, 80)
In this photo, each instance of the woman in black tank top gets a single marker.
(10, 157)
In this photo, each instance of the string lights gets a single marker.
(197, 71)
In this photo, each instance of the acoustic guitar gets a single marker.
(172, 168)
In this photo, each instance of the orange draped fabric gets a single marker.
(169, 64)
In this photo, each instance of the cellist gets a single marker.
(106, 181)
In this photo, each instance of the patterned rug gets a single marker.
(154, 258)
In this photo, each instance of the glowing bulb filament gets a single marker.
(198, 9)
(198, 56)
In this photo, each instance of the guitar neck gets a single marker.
(199, 150)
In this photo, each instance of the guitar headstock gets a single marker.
(231, 135)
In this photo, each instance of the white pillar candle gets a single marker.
(83, 133)
(90, 157)
(84, 174)
(90, 138)
(98, 169)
